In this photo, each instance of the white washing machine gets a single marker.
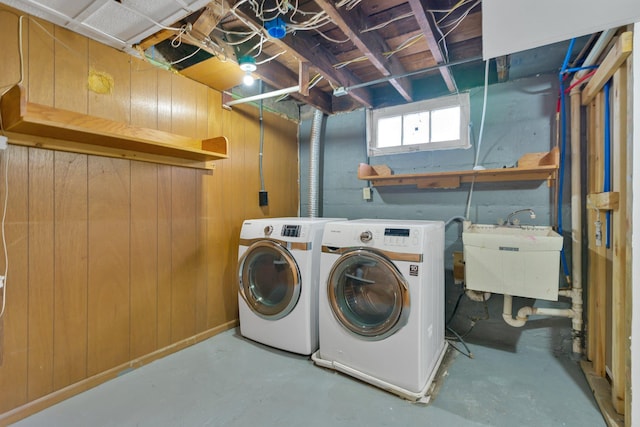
(381, 312)
(279, 263)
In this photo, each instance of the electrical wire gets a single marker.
(332, 39)
(6, 176)
(264, 61)
(459, 20)
(405, 44)
(186, 57)
(384, 24)
(349, 62)
(449, 11)
(4, 237)
(484, 110)
(468, 353)
(315, 80)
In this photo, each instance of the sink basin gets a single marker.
(513, 260)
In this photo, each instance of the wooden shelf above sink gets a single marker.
(64, 130)
(531, 167)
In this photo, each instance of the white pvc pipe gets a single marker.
(264, 95)
(524, 313)
(576, 223)
(596, 51)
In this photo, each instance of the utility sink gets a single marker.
(513, 260)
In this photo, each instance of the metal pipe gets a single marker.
(264, 95)
(260, 154)
(413, 73)
(314, 161)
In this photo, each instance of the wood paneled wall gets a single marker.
(112, 261)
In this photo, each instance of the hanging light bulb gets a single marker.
(248, 65)
(248, 79)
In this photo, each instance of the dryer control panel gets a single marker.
(290, 230)
(400, 236)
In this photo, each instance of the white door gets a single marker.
(368, 295)
(269, 279)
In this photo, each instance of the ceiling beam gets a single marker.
(304, 48)
(429, 28)
(279, 76)
(371, 44)
(210, 17)
(503, 63)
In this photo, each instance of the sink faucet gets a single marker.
(510, 218)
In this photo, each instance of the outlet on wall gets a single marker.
(366, 193)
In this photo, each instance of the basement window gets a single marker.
(435, 124)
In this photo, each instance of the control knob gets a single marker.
(366, 236)
(268, 230)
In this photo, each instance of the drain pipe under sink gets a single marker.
(524, 313)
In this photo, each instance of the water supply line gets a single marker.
(523, 314)
(576, 290)
(314, 163)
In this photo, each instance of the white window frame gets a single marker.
(374, 115)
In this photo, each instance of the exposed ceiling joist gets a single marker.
(371, 44)
(429, 28)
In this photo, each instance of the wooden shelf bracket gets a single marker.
(531, 167)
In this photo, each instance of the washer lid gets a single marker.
(368, 295)
(269, 279)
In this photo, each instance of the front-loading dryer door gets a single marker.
(269, 279)
(368, 295)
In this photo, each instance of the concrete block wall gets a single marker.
(520, 119)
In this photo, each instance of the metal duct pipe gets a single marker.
(314, 163)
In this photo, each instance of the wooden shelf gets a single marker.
(57, 129)
(531, 167)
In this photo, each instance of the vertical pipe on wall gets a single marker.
(606, 185)
(314, 163)
(576, 222)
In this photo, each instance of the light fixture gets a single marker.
(248, 65)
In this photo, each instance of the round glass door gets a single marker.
(269, 279)
(368, 295)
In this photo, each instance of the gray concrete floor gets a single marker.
(525, 377)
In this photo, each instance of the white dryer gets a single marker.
(381, 309)
(279, 262)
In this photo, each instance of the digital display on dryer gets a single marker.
(396, 232)
(291, 230)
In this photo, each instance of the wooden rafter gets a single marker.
(429, 28)
(370, 44)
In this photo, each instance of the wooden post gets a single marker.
(591, 218)
(597, 249)
(619, 336)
